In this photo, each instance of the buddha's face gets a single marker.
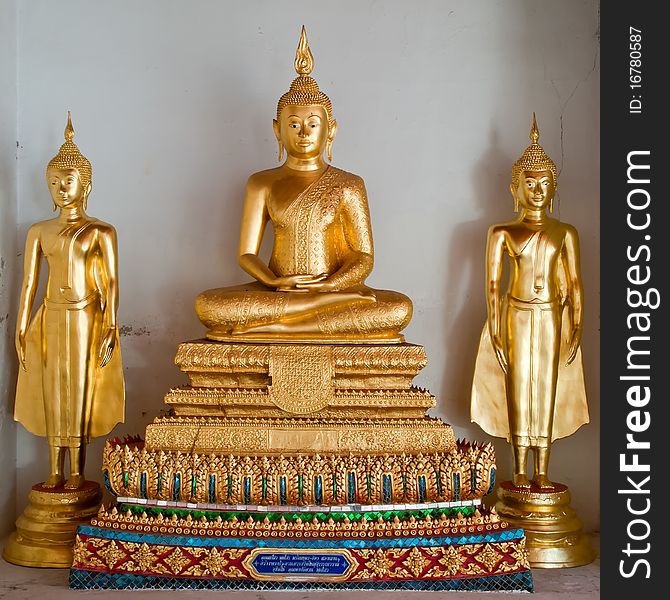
(535, 189)
(303, 130)
(66, 187)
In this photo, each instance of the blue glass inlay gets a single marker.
(82, 579)
(387, 488)
(334, 487)
(300, 564)
(318, 544)
(318, 490)
(300, 488)
(282, 490)
(247, 490)
(492, 480)
(351, 487)
(211, 496)
(457, 486)
(143, 484)
(108, 483)
(176, 487)
(421, 484)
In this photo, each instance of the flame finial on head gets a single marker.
(534, 131)
(304, 61)
(304, 91)
(534, 158)
(69, 156)
(69, 130)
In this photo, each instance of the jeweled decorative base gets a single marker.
(466, 473)
(553, 531)
(429, 547)
(299, 466)
(46, 530)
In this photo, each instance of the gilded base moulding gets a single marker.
(554, 536)
(393, 547)
(46, 530)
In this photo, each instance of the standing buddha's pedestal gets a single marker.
(300, 455)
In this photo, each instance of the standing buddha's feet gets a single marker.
(521, 481)
(55, 480)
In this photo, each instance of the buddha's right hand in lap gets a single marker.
(290, 283)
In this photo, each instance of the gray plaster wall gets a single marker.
(8, 271)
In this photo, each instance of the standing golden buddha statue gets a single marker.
(529, 384)
(313, 288)
(70, 386)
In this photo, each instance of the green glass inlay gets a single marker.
(264, 488)
(300, 487)
(230, 486)
(304, 516)
(369, 484)
(194, 486)
(125, 479)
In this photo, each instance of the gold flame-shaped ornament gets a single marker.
(304, 61)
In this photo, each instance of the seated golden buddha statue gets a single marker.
(313, 288)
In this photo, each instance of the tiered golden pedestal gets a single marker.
(45, 532)
(301, 466)
(554, 536)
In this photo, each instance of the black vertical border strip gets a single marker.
(622, 133)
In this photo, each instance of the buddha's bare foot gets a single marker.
(521, 481)
(75, 482)
(542, 481)
(54, 481)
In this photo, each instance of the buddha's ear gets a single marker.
(87, 193)
(332, 130)
(275, 126)
(516, 200)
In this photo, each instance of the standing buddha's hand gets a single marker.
(21, 348)
(575, 341)
(107, 346)
(500, 352)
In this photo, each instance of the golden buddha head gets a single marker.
(304, 125)
(534, 176)
(69, 173)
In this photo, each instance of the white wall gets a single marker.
(8, 271)
(173, 101)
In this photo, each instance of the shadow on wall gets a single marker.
(466, 272)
